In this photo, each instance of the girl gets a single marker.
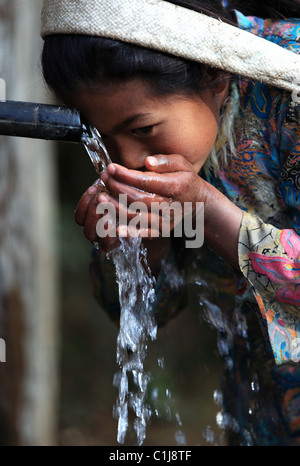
(182, 131)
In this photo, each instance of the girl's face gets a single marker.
(135, 123)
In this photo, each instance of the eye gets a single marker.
(143, 131)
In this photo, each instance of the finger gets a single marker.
(166, 185)
(91, 219)
(136, 219)
(137, 214)
(83, 204)
(167, 163)
(127, 231)
(134, 193)
(106, 229)
(155, 163)
(121, 207)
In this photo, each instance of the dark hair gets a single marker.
(71, 60)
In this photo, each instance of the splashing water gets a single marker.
(172, 416)
(227, 328)
(137, 325)
(93, 143)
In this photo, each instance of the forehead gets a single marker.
(113, 96)
(132, 96)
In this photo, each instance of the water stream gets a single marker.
(137, 325)
(93, 143)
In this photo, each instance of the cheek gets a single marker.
(204, 137)
(194, 143)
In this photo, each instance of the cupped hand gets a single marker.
(170, 177)
(165, 182)
(86, 216)
(160, 192)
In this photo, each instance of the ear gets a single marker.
(220, 84)
(220, 88)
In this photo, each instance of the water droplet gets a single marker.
(208, 435)
(161, 363)
(218, 398)
(180, 438)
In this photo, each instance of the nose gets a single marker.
(127, 152)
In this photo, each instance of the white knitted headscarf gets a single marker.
(176, 30)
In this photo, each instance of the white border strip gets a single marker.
(2, 90)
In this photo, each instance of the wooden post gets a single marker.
(28, 264)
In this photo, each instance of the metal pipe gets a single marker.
(40, 121)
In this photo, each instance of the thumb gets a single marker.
(167, 163)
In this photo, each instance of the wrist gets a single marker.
(222, 221)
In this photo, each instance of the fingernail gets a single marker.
(92, 190)
(102, 198)
(152, 161)
(111, 169)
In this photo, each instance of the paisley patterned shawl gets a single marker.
(264, 180)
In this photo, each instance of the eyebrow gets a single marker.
(129, 121)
